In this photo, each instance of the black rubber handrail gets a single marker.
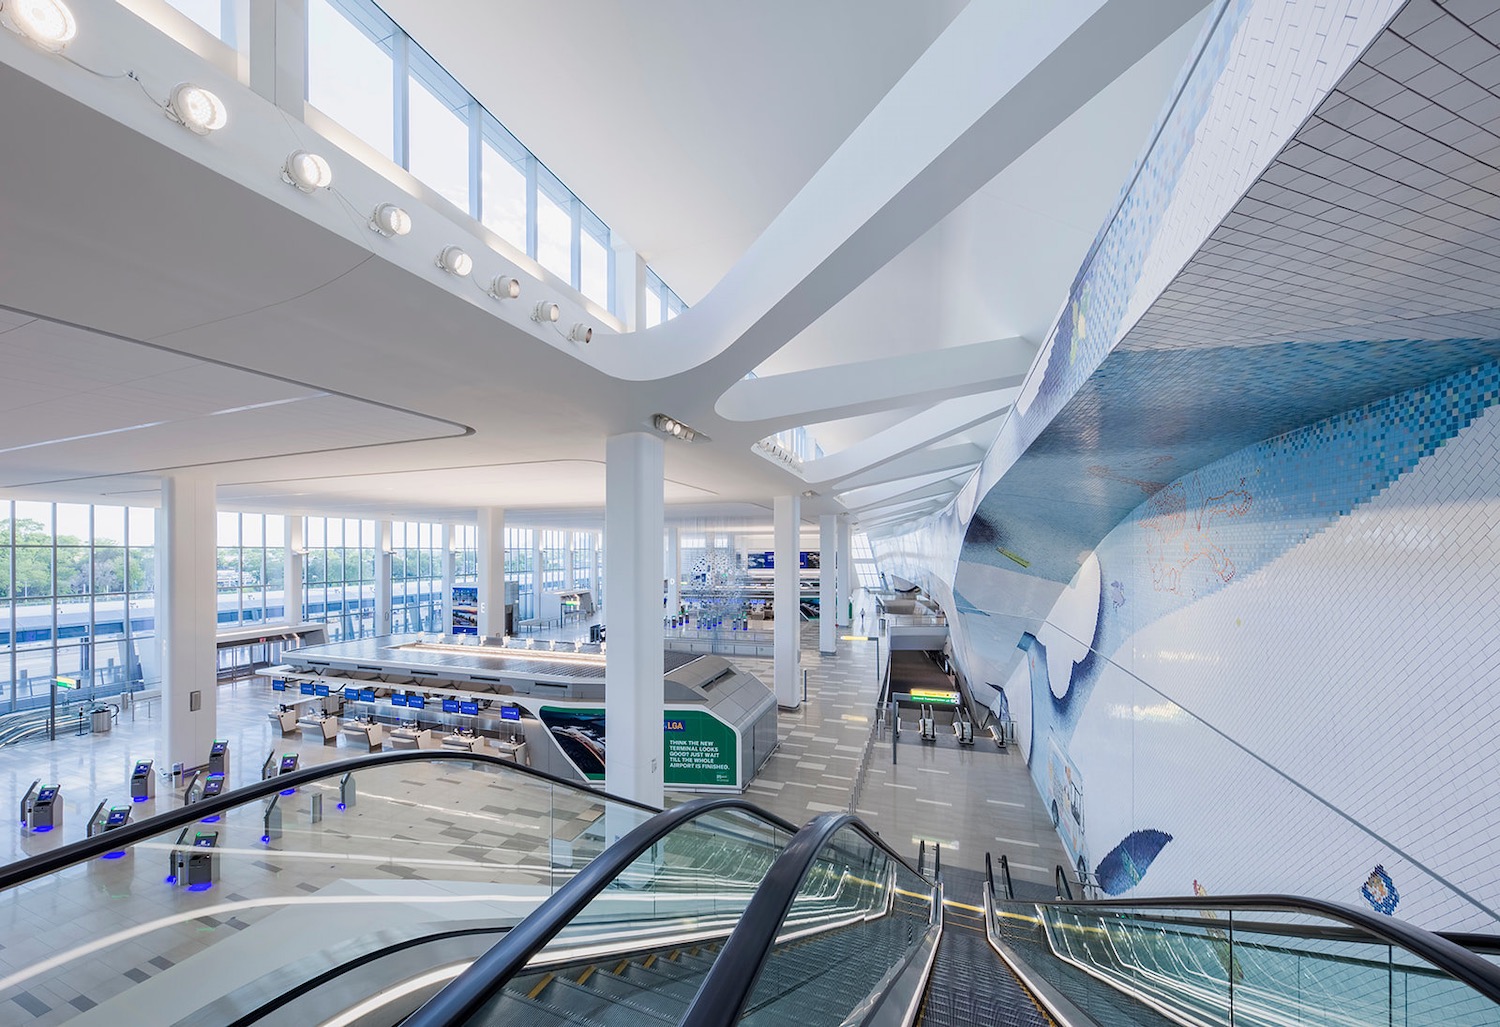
(470, 990)
(20, 872)
(730, 980)
(1448, 956)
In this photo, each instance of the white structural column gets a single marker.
(633, 512)
(383, 537)
(186, 615)
(491, 543)
(673, 572)
(828, 600)
(787, 605)
(448, 560)
(294, 564)
(846, 571)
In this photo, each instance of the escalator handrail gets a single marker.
(22, 871)
(1445, 954)
(730, 980)
(470, 990)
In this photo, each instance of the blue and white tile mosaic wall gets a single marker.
(1280, 671)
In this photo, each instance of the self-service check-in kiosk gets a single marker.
(289, 761)
(42, 808)
(213, 785)
(195, 865)
(111, 818)
(218, 757)
(142, 781)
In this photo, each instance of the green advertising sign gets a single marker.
(700, 749)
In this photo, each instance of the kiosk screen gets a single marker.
(213, 786)
(46, 794)
(289, 763)
(119, 816)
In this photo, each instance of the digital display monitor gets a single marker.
(510, 713)
(278, 685)
(142, 768)
(213, 786)
(119, 816)
(289, 763)
(398, 698)
(416, 702)
(367, 695)
(320, 690)
(351, 695)
(204, 841)
(450, 705)
(307, 688)
(219, 747)
(47, 794)
(470, 708)
(760, 561)
(810, 560)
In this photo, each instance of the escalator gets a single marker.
(435, 889)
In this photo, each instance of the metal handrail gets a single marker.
(727, 987)
(25, 870)
(470, 990)
(1060, 882)
(1445, 954)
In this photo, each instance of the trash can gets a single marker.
(102, 720)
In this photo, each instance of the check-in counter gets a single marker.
(320, 727)
(285, 718)
(466, 743)
(512, 749)
(411, 738)
(366, 733)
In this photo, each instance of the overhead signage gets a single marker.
(936, 696)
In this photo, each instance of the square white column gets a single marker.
(828, 601)
(295, 564)
(448, 575)
(633, 690)
(787, 605)
(673, 571)
(383, 537)
(491, 542)
(846, 572)
(187, 615)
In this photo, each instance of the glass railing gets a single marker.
(841, 927)
(636, 931)
(257, 899)
(1255, 961)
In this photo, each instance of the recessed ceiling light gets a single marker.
(307, 171)
(455, 261)
(390, 220)
(47, 23)
(197, 109)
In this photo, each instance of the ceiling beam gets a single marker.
(945, 489)
(919, 431)
(778, 402)
(954, 457)
(855, 499)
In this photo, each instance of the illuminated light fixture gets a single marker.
(546, 313)
(809, 494)
(307, 171)
(196, 109)
(455, 261)
(47, 23)
(673, 427)
(390, 220)
(504, 287)
(581, 333)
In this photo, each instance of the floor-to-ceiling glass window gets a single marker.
(416, 577)
(77, 600)
(519, 568)
(583, 558)
(339, 576)
(866, 573)
(465, 554)
(553, 546)
(251, 568)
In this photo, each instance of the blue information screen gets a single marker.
(398, 698)
(416, 702)
(510, 713)
(278, 685)
(321, 690)
(450, 705)
(471, 708)
(307, 688)
(367, 695)
(351, 695)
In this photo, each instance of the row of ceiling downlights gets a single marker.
(49, 25)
